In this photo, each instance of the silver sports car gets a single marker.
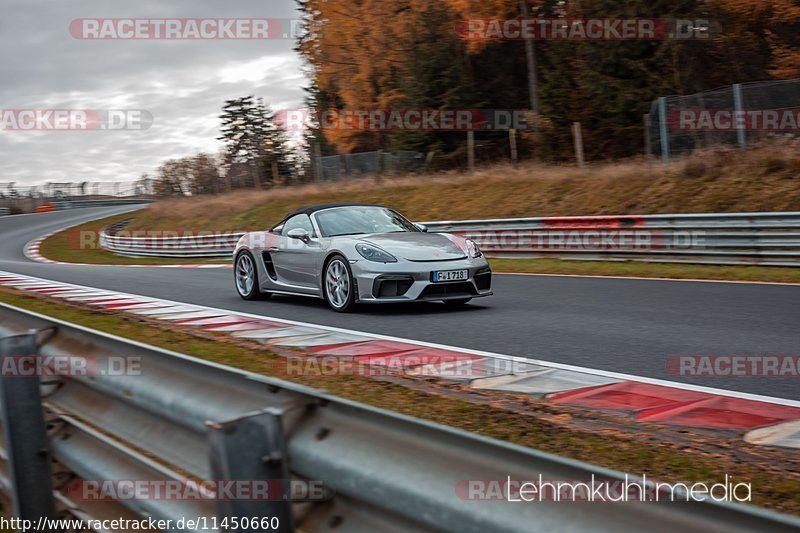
(356, 253)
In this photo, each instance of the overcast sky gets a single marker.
(182, 83)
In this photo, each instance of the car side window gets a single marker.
(301, 221)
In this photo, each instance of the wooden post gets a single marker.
(512, 140)
(256, 173)
(379, 167)
(343, 159)
(428, 161)
(275, 178)
(317, 164)
(648, 149)
(471, 151)
(578, 136)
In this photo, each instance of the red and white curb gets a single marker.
(32, 252)
(769, 421)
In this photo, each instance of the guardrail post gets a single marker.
(25, 433)
(253, 448)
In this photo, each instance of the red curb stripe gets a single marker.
(628, 396)
(720, 412)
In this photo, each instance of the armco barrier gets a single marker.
(79, 204)
(180, 418)
(735, 238)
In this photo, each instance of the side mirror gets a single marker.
(422, 227)
(300, 234)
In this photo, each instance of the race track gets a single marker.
(629, 326)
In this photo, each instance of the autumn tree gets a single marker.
(374, 54)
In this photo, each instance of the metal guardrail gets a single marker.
(78, 204)
(182, 417)
(771, 239)
(4, 211)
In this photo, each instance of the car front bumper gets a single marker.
(408, 281)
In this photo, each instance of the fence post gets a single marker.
(428, 161)
(741, 134)
(379, 166)
(648, 149)
(662, 128)
(276, 179)
(25, 434)
(317, 162)
(471, 151)
(512, 141)
(253, 448)
(577, 135)
(343, 159)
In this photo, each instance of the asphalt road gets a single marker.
(631, 326)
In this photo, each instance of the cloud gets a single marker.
(183, 84)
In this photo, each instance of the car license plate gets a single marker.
(450, 275)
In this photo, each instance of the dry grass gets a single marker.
(765, 178)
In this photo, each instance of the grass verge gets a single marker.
(772, 472)
(763, 178)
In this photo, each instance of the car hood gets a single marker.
(416, 246)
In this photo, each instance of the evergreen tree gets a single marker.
(252, 139)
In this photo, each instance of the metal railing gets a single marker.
(770, 239)
(68, 195)
(181, 417)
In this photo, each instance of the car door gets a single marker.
(295, 261)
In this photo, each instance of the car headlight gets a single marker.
(472, 249)
(373, 253)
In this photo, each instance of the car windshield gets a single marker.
(357, 220)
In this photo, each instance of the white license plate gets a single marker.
(450, 275)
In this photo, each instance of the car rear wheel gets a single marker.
(338, 285)
(246, 277)
(457, 303)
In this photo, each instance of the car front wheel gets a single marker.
(338, 285)
(246, 277)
